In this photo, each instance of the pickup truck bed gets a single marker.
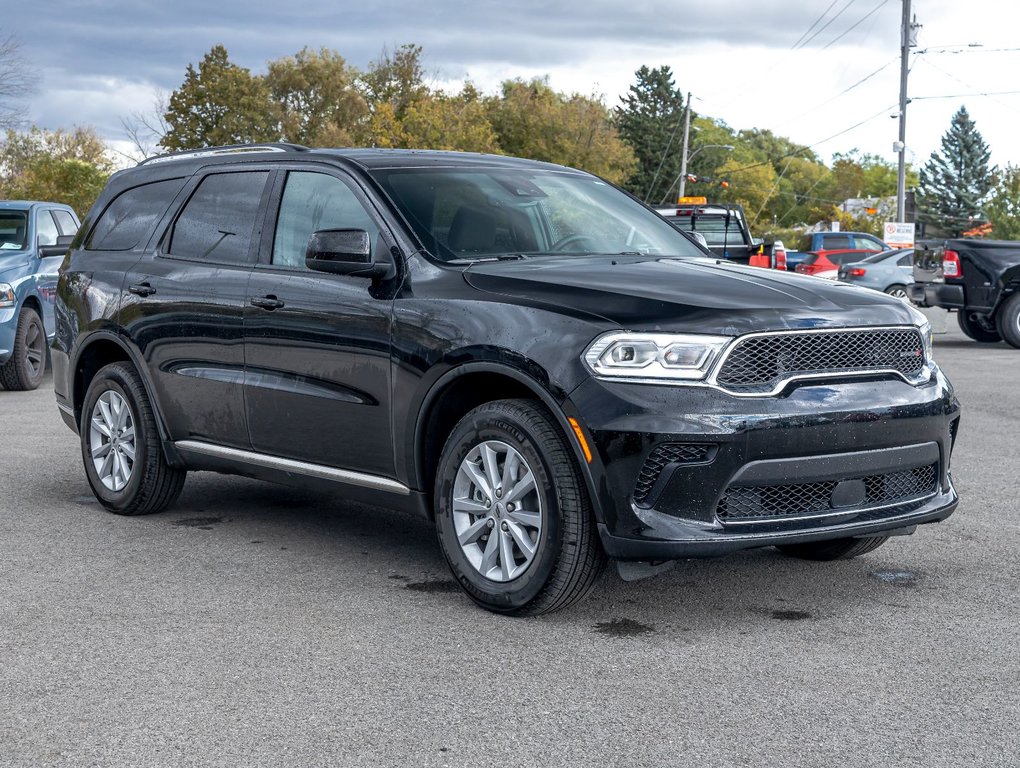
(978, 278)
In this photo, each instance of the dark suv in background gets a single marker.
(518, 350)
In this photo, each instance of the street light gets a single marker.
(683, 170)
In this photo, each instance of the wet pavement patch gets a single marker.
(623, 628)
(790, 615)
(433, 586)
(84, 499)
(892, 576)
(202, 523)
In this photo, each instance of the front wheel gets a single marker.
(25, 369)
(977, 327)
(1008, 320)
(834, 549)
(120, 445)
(513, 517)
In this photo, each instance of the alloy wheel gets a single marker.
(35, 349)
(112, 440)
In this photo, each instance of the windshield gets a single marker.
(466, 214)
(13, 230)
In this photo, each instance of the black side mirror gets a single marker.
(344, 252)
(57, 249)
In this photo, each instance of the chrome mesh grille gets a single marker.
(662, 455)
(757, 502)
(761, 363)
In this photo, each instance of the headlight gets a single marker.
(684, 357)
(926, 337)
(7, 297)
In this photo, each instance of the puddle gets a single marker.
(623, 628)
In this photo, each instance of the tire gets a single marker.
(834, 549)
(27, 365)
(520, 437)
(141, 486)
(897, 290)
(1007, 320)
(977, 327)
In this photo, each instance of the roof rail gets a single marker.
(229, 149)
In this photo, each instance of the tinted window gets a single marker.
(843, 258)
(834, 242)
(128, 221)
(218, 221)
(66, 222)
(45, 228)
(905, 261)
(714, 229)
(13, 230)
(314, 201)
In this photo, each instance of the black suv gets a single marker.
(520, 351)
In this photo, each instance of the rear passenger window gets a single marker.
(218, 221)
(837, 242)
(906, 261)
(128, 221)
(66, 222)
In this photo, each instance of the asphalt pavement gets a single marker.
(256, 625)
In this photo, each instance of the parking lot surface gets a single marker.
(257, 625)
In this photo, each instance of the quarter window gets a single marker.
(312, 202)
(218, 221)
(45, 228)
(128, 221)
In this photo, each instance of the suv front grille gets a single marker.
(769, 502)
(764, 363)
(660, 457)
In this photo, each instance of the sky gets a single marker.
(823, 72)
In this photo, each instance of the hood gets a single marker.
(687, 294)
(10, 260)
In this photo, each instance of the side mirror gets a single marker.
(344, 252)
(58, 249)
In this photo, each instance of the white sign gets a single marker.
(834, 227)
(899, 235)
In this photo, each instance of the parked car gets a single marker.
(518, 351)
(980, 279)
(33, 239)
(831, 247)
(888, 271)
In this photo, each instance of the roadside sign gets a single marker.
(899, 234)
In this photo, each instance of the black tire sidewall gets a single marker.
(974, 330)
(28, 317)
(1008, 321)
(479, 426)
(111, 379)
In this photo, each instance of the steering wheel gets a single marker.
(563, 243)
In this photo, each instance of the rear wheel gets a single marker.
(513, 517)
(1008, 320)
(27, 364)
(978, 327)
(899, 291)
(835, 549)
(120, 445)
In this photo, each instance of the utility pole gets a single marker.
(906, 35)
(683, 155)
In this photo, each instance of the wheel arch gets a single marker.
(465, 387)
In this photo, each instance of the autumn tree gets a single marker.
(68, 167)
(218, 103)
(956, 180)
(396, 80)
(457, 122)
(317, 99)
(650, 120)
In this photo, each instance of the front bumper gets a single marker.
(841, 459)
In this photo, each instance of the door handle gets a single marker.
(266, 302)
(141, 289)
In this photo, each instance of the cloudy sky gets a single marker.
(807, 69)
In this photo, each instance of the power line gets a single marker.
(825, 26)
(965, 95)
(815, 24)
(841, 93)
(854, 26)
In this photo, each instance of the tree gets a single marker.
(317, 99)
(1003, 208)
(956, 179)
(15, 83)
(532, 120)
(397, 80)
(59, 166)
(219, 103)
(449, 122)
(651, 122)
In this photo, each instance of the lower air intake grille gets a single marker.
(660, 457)
(760, 502)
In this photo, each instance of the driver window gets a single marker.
(311, 202)
(46, 228)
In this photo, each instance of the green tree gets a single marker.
(650, 120)
(68, 167)
(219, 103)
(956, 180)
(532, 120)
(317, 98)
(397, 80)
(1003, 207)
(458, 122)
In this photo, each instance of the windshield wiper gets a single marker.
(482, 259)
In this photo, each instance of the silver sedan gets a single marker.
(888, 271)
